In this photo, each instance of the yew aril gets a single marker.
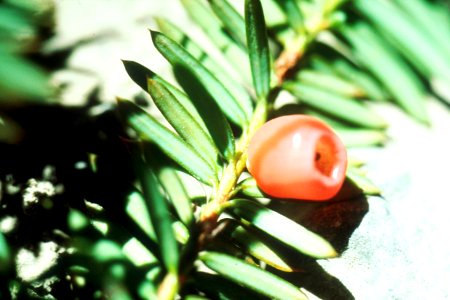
(297, 157)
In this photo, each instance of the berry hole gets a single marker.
(325, 157)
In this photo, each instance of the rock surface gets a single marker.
(399, 251)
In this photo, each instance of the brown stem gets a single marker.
(211, 211)
(287, 60)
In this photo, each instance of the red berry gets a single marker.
(298, 157)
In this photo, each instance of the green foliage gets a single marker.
(281, 228)
(4, 254)
(389, 68)
(332, 103)
(258, 48)
(184, 123)
(20, 79)
(256, 247)
(160, 218)
(150, 129)
(177, 193)
(180, 58)
(137, 230)
(12, 83)
(204, 17)
(361, 64)
(225, 76)
(251, 276)
(293, 14)
(233, 22)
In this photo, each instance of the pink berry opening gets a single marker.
(298, 157)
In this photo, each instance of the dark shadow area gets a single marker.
(218, 287)
(317, 281)
(63, 138)
(335, 220)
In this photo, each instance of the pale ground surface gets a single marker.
(400, 249)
